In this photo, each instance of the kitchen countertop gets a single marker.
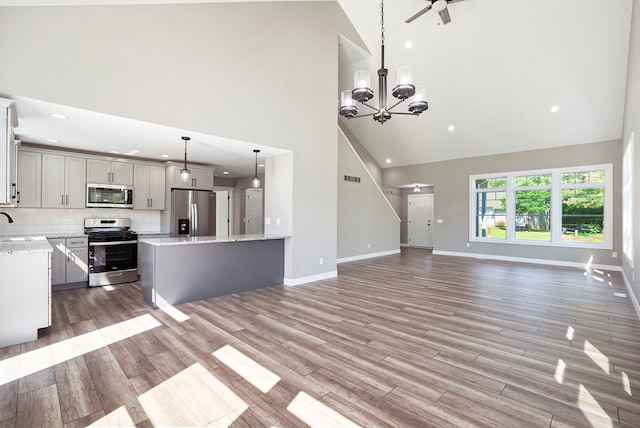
(209, 239)
(24, 245)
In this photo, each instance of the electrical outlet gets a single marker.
(614, 255)
(267, 220)
(439, 221)
(468, 245)
(278, 221)
(321, 261)
(369, 245)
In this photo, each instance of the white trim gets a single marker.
(311, 278)
(636, 305)
(370, 176)
(368, 256)
(578, 265)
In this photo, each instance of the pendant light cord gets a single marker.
(382, 22)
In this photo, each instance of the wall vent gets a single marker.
(352, 179)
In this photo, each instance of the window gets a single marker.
(490, 209)
(560, 207)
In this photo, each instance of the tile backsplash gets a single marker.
(46, 221)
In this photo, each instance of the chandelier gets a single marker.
(403, 90)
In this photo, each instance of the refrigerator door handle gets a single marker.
(194, 217)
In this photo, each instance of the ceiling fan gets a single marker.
(439, 6)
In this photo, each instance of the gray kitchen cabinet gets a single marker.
(29, 194)
(109, 172)
(63, 181)
(149, 187)
(200, 178)
(69, 261)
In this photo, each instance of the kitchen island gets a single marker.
(25, 288)
(184, 269)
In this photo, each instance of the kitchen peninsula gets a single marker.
(184, 269)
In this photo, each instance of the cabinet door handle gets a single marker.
(62, 200)
(66, 202)
(150, 202)
(18, 197)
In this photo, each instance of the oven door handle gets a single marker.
(100, 244)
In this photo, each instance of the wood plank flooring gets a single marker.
(406, 340)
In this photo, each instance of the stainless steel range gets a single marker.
(113, 251)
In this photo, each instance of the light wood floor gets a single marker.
(407, 340)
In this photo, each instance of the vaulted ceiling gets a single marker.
(493, 74)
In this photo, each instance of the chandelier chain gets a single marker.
(382, 21)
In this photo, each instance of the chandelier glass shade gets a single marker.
(184, 172)
(362, 92)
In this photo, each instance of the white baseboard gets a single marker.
(312, 278)
(528, 260)
(630, 292)
(368, 256)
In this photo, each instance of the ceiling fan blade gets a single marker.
(444, 15)
(419, 14)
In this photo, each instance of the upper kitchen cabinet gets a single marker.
(149, 187)
(29, 179)
(200, 178)
(8, 153)
(109, 172)
(64, 182)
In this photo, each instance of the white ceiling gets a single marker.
(494, 73)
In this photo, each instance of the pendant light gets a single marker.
(256, 180)
(184, 172)
(403, 90)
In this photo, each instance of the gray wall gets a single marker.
(206, 68)
(632, 125)
(451, 198)
(367, 224)
(370, 163)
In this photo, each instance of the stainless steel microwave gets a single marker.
(109, 196)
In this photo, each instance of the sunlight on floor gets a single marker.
(25, 364)
(570, 332)
(256, 374)
(174, 313)
(118, 418)
(625, 383)
(598, 357)
(315, 414)
(560, 371)
(193, 397)
(594, 413)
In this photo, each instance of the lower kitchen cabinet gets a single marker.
(25, 297)
(69, 262)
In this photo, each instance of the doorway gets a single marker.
(224, 212)
(420, 219)
(253, 212)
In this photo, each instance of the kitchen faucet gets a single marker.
(8, 216)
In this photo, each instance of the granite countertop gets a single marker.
(209, 239)
(24, 245)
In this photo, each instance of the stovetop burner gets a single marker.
(109, 229)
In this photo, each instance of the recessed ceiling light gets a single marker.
(261, 165)
(452, 128)
(58, 115)
(408, 44)
(52, 140)
(554, 109)
(225, 172)
(388, 160)
(164, 156)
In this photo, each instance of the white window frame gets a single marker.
(556, 205)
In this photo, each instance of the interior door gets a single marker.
(420, 215)
(253, 211)
(223, 219)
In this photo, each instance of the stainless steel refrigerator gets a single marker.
(193, 212)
